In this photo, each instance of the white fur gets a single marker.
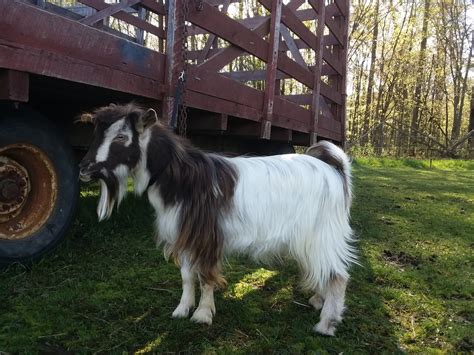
(188, 297)
(291, 204)
(141, 174)
(121, 172)
(109, 135)
(283, 205)
(103, 209)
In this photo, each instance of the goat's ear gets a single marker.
(86, 118)
(146, 120)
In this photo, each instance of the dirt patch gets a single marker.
(400, 259)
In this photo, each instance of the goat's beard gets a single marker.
(113, 189)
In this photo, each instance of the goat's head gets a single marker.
(115, 150)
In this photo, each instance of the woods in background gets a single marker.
(409, 93)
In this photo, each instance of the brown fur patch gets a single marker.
(322, 153)
(204, 186)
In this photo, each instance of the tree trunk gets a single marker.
(421, 69)
(471, 127)
(370, 83)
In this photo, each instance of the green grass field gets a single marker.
(107, 289)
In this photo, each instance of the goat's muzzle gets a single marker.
(87, 170)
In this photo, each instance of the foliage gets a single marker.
(107, 289)
(409, 89)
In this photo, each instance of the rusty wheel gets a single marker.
(38, 186)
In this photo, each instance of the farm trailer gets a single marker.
(260, 76)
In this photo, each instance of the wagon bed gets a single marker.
(294, 44)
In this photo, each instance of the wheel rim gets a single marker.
(28, 190)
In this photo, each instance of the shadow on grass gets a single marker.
(106, 289)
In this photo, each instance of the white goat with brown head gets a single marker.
(208, 206)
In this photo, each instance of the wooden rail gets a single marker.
(300, 44)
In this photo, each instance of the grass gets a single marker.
(107, 289)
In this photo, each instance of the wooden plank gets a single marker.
(216, 85)
(108, 11)
(133, 20)
(42, 62)
(331, 93)
(14, 85)
(297, 26)
(343, 7)
(212, 37)
(291, 45)
(301, 99)
(292, 21)
(213, 21)
(76, 40)
(297, 115)
(315, 107)
(226, 55)
(329, 21)
(270, 79)
(154, 6)
(215, 104)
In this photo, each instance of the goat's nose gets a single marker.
(84, 165)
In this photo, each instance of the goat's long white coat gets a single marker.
(283, 205)
(294, 205)
(291, 204)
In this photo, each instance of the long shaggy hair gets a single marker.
(209, 205)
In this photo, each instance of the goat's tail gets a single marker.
(333, 155)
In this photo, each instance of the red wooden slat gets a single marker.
(154, 6)
(291, 45)
(216, 85)
(330, 23)
(342, 7)
(294, 23)
(213, 21)
(42, 62)
(76, 40)
(212, 37)
(270, 82)
(254, 75)
(135, 21)
(215, 104)
(108, 11)
(225, 56)
(331, 93)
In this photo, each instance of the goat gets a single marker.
(208, 206)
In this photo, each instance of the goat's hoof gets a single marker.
(325, 328)
(182, 311)
(203, 316)
(317, 302)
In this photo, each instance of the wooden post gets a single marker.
(272, 63)
(174, 60)
(315, 106)
(345, 9)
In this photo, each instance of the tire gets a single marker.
(43, 186)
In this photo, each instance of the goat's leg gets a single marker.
(188, 296)
(333, 306)
(316, 301)
(206, 308)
